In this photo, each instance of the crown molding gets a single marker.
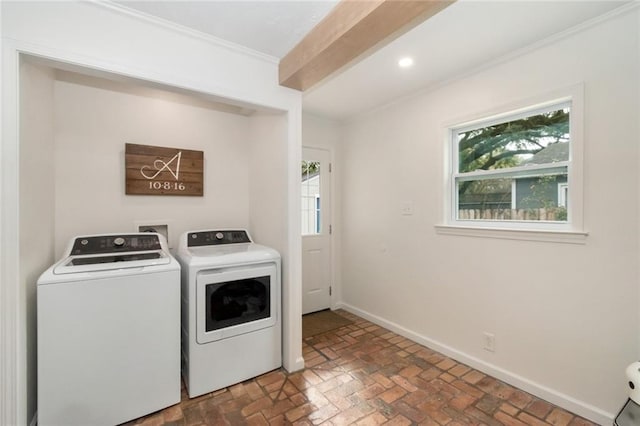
(181, 29)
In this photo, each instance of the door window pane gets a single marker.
(311, 224)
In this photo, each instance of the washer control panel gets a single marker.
(104, 244)
(215, 238)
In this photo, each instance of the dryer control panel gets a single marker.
(105, 244)
(215, 238)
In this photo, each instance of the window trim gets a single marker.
(573, 228)
(567, 237)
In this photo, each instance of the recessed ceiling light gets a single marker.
(405, 62)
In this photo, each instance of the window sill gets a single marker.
(565, 237)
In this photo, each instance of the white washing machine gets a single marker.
(231, 321)
(108, 331)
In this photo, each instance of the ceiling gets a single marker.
(462, 37)
(272, 27)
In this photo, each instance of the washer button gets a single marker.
(118, 242)
(219, 236)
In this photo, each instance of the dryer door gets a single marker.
(233, 301)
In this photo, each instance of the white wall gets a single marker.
(269, 219)
(267, 161)
(565, 316)
(91, 127)
(37, 193)
(102, 38)
(319, 132)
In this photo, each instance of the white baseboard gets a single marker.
(560, 399)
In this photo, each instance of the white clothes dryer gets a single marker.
(231, 321)
(108, 331)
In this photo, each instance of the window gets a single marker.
(310, 197)
(519, 170)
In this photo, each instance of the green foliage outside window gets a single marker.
(509, 144)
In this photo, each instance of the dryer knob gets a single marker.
(219, 236)
(118, 242)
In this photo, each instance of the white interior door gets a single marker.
(316, 230)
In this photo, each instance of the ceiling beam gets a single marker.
(352, 29)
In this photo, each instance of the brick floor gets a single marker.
(363, 374)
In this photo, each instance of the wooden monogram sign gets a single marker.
(153, 170)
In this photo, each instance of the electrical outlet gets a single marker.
(489, 342)
(407, 208)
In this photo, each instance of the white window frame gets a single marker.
(571, 231)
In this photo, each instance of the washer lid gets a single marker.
(92, 263)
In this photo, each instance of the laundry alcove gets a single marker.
(73, 126)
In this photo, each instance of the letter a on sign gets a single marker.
(154, 170)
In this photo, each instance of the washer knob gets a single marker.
(219, 236)
(118, 242)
